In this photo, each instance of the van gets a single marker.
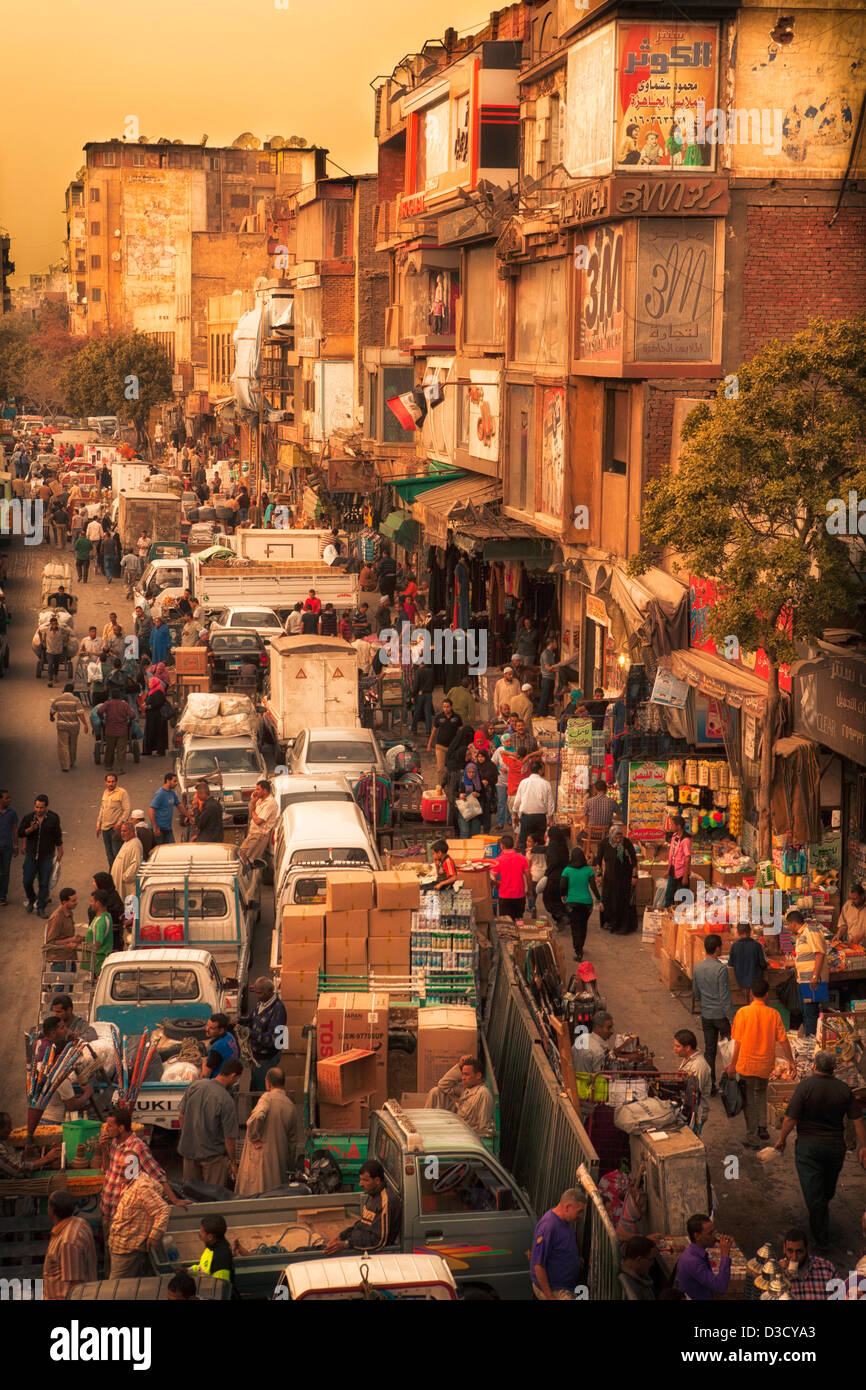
(311, 841)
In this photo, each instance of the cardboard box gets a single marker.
(354, 922)
(397, 891)
(298, 1016)
(304, 925)
(444, 1036)
(479, 883)
(388, 925)
(293, 1066)
(349, 892)
(353, 1020)
(657, 944)
(190, 661)
(340, 1119)
(347, 1076)
(384, 951)
(672, 975)
(669, 933)
(414, 1100)
(645, 891)
(300, 989)
(303, 955)
(348, 956)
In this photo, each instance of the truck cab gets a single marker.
(163, 581)
(199, 896)
(232, 766)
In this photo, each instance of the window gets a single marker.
(138, 159)
(462, 1187)
(253, 618)
(540, 314)
(95, 228)
(204, 761)
(168, 903)
(137, 986)
(96, 296)
(480, 296)
(239, 200)
(521, 447)
(340, 751)
(433, 141)
(94, 195)
(385, 1149)
(339, 229)
(95, 262)
(80, 288)
(429, 298)
(213, 163)
(616, 421)
(108, 159)
(331, 856)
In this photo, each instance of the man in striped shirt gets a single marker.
(71, 1255)
(67, 712)
(127, 1158)
(600, 810)
(139, 1222)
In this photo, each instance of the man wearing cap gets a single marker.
(143, 832)
(124, 870)
(505, 690)
(521, 705)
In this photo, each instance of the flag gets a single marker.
(408, 409)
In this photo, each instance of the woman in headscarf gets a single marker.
(158, 672)
(556, 853)
(493, 739)
(114, 906)
(480, 740)
(470, 785)
(618, 862)
(488, 775)
(455, 760)
(155, 726)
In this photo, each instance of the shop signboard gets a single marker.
(647, 802)
(663, 72)
(600, 273)
(595, 609)
(703, 597)
(590, 99)
(552, 451)
(669, 691)
(676, 299)
(830, 704)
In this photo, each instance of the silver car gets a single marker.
(231, 766)
(335, 753)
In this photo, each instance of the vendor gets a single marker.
(12, 1165)
(813, 969)
(851, 926)
(381, 1215)
(446, 869)
(590, 1052)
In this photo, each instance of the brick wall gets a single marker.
(392, 169)
(658, 416)
(796, 268)
(373, 294)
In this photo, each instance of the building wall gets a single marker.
(371, 279)
(220, 265)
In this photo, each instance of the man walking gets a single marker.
(82, 549)
(554, 1263)
(533, 803)
(114, 809)
(160, 641)
(8, 842)
(139, 1223)
(41, 839)
(162, 810)
(116, 716)
(274, 1140)
(265, 1022)
(56, 641)
(549, 667)
(423, 685)
(209, 1127)
(127, 1155)
(600, 810)
(711, 988)
(131, 570)
(697, 1069)
(67, 712)
(445, 726)
(819, 1108)
(142, 628)
(756, 1031)
(124, 870)
(71, 1255)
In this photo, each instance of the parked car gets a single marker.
(289, 791)
(232, 766)
(263, 620)
(335, 753)
(229, 650)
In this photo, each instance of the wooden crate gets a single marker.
(190, 661)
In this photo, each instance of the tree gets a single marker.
(755, 503)
(125, 375)
(33, 358)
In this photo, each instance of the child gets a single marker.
(216, 1258)
(446, 869)
(578, 889)
(746, 958)
(512, 870)
(537, 867)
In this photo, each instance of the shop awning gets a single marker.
(655, 607)
(714, 677)
(583, 563)
(410, 488)
(829, 693)
(444, 506)
(400, 528)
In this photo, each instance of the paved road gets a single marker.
(29, 766)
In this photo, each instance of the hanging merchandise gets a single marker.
(735, 814)
(674, 774)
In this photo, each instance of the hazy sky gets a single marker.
(186, 68)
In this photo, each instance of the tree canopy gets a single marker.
(125, 375)
(34, 354)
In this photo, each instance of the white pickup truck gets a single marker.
(173, 989)
(219, 584)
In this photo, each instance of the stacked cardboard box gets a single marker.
(349, 1021)
(398, 895)
(347, 911)
(444, 1036)
(302, 957)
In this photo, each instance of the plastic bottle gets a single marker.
(170, 1248)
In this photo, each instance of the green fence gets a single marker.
(543, 1141)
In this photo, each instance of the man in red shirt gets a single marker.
(313, 604)
(512, 871)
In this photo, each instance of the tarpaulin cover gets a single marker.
(795, 797)
(248, 351)
(655, 607)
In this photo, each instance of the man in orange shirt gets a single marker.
(755, 1032)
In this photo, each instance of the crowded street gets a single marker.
(433, 679)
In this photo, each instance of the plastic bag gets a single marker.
(725, 1051)
(731, 1093)
(202, 706)
(55, 875)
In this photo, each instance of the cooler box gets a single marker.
(434, 808)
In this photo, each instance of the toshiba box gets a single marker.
(345, 1021)
(444, 1036)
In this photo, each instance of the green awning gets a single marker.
(400, 528)
(410, 488)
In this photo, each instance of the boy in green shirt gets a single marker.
(82, 548)
(99, 935)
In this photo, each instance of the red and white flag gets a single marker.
(407, 410)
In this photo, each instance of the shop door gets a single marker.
(593, 657)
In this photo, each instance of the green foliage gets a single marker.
(33, 355)
(98, 380)
(757, 475)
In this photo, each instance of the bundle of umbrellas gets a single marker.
(131, 1079)
(46, 1074)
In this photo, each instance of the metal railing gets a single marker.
(601, 1246)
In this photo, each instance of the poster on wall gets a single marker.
(666, 84)
(552, 451)
(484, 415)
(708, 717)
(703, 597)
(599, 295)
(676, 299)
(669, 691)
(588, 106)
(647, 802)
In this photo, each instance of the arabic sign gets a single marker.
(703, 597)
(552, 451)
(664, 70)
(599, 325)
(588, 104)
(830, 704)
(686, 196)
(647, 801)
(676, 299)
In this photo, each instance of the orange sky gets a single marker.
(186, 68)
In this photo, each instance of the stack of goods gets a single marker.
(303, 958)
(837, 1033)
(443, 945)
(790, 862)
(731, 869)
(574, 769)
(705, 793)
(222, 716)
(398, 895)
(348, 900)
(351, 1023)
(444, 1036)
